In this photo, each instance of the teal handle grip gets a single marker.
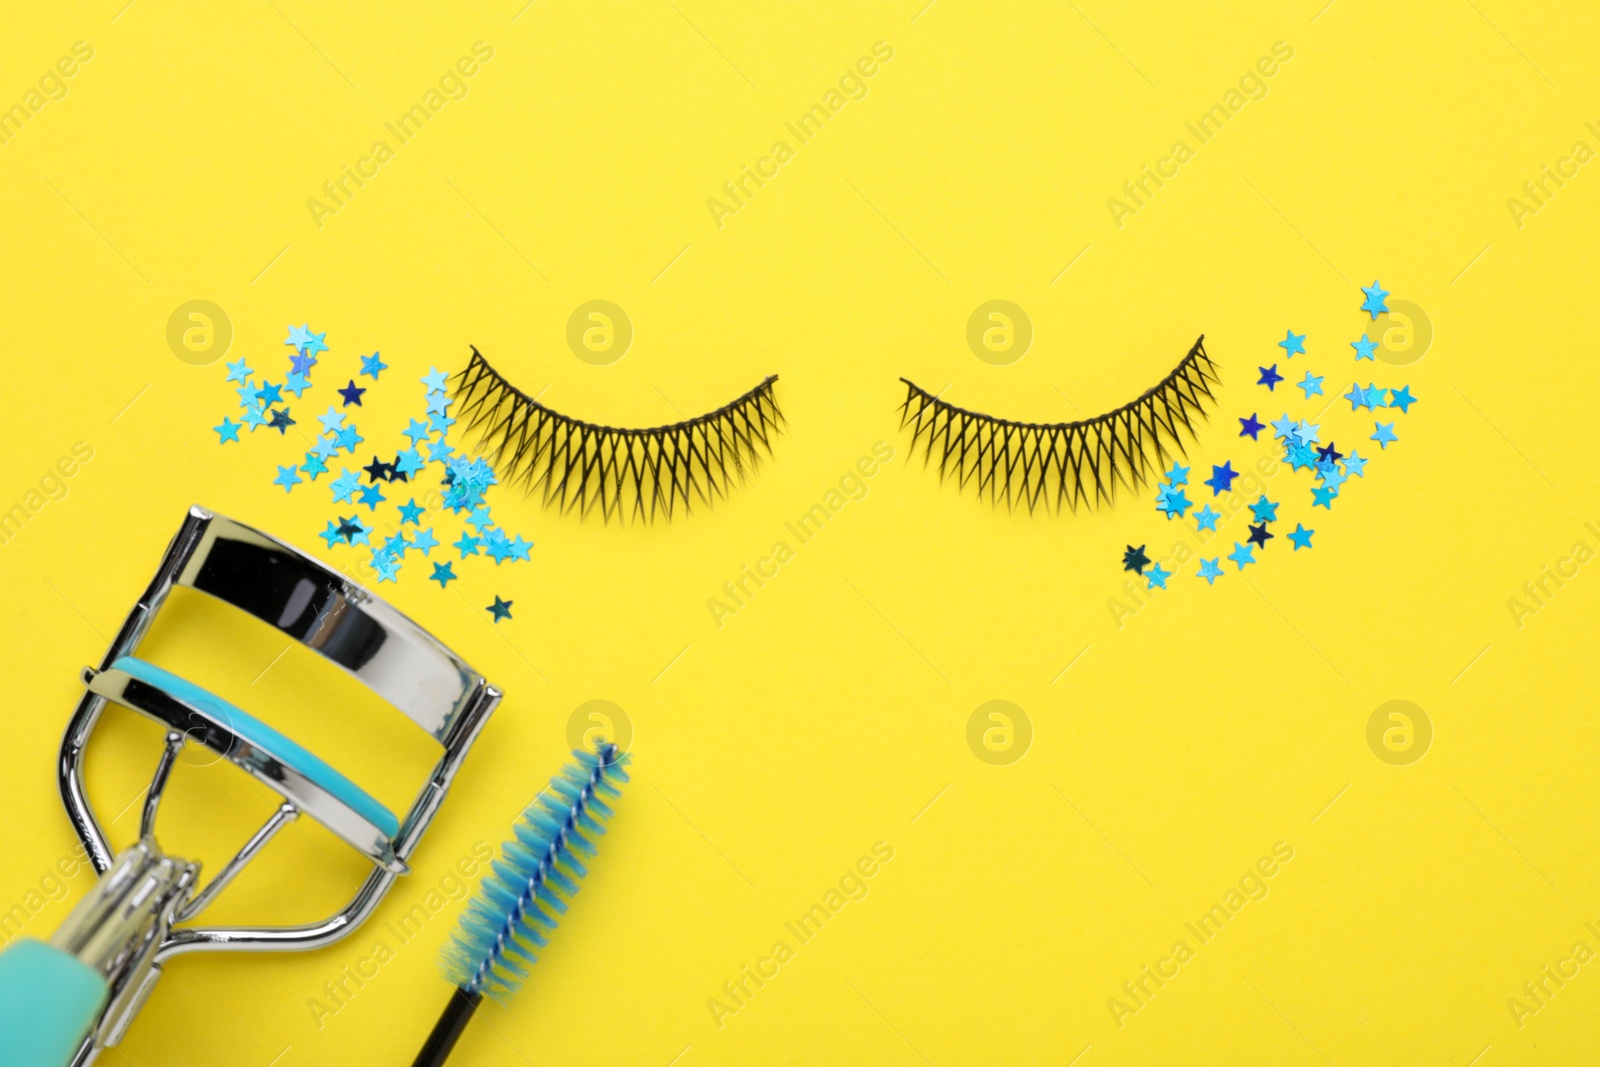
(48, 1003)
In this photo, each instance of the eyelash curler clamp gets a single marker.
(61, 1003)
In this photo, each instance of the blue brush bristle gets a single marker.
(490, 950)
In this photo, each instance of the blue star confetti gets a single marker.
(1376, 296)
(500, 609)
(1269, 377)
(1293, 344)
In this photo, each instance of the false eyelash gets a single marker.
(1064, 463)
(579, 466)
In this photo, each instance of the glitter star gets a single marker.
(238, 372)
(1323, 497)
(417, 431)
(439, 422)
(1242, 555)
(314, 343)
(1374, 304)
(1401, 398)
(281, 420)
(1375, 396)
(408, 463)
(1357, 396)
(314, 465)
(395, 547)
(268, 394)
(1293, 343)
(1331, 475)
(1301, 537)
(371, 365)
(434, 380)
(443, 574)
(387, 568)
(437, 403)
(348, 438)
(1132, 560)
(1250, 427)
(1157, 578)
(1311, 384)
(467, 545)
(1259, 535)
(1306, 433)
(1269, 377)
(1354, 464)
(377, 470)
(372, 496)
(302, 364)
(332, 420)
(424, 541)
(480, 517)
(228, 431)
(288, 478)
(520, 547)
(296, 384)
(1364, 349)
(1177, 505)
(344, 486)
(1221, 478)
(411, 512)
(1264, 510)
(331, 534)
(1210, 570)
(349, 528)
(1384, 434)
(1178, 475)
(1300, 456)
(1206, 518)
(352, 394)
(439, 452)
(500, 609)
(299, 336)
(1283, 427)
(1328, 454)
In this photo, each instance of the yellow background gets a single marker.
(826, 715)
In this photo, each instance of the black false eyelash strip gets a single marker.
(1063, 464)
(639, 473)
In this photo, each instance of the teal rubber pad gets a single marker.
(48, 1001)
(267, 739)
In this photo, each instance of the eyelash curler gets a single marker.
(62, 1003)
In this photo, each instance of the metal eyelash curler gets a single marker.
(61, 1003)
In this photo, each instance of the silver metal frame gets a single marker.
(328, 613)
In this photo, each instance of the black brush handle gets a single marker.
(457, 1013)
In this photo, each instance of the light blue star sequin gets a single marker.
(268, 394)
(424, 541)
(331, 534)
(387, 568)
(325, 448)
(247, 395)
(1306, 433)
(1364, 349)
(411, 512)
(439, 452)
(1210, 570)
(1178, 475)
(443, 574)
(371, 365)
(348, 438)
(1384, 435)
(1293, 344)
(296, 383)
(238, 372)
(228, 431)
(314, 465)
(345, 486)
(1265, 510)
(253, 417)
(417, 431)
(1300, 456)
(1323, 497)
(1176, 504)
(314, 343)
(435, 380)
(437, 403)
(288, 477)
(1375, 396)
(1330, 474)
(1206, 518)
(1376, 294)
(1311, 384)
(519, 548)
(371, 496)
(1301, 537)
(1283, 427)
(332, 420)
(1157, 578)
(1354, 464)
(1401, 398)
(480, 518)
(1242, 555)
(409, 462)
(467, 545)
(1357, 396)
(395, 546)
(439, 422)
(299, 336)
